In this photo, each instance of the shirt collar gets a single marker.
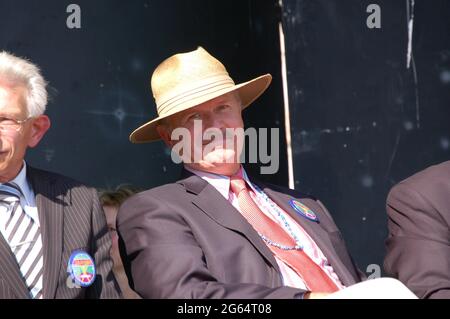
(220, 182)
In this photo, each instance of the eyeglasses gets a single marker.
(11, 125)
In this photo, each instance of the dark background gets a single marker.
(360, 121)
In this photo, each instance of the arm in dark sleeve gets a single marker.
(418, 251)
(105, 285)
(167, 262)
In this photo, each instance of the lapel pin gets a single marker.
(81, 268)
(303, 210)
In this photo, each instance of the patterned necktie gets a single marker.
(313, 276)
(24, 237)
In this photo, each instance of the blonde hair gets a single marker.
(117, 196)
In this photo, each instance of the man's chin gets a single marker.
(221, 156)
(221, 168)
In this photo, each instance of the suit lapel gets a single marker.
(10, 271)
(50, 204)
(212, 203)
(315, 230)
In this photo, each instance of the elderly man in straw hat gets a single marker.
(217, 232)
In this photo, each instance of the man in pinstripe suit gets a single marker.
(47, 221)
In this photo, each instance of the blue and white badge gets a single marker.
(81, 268)
(303, 210)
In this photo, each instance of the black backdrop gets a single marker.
(360, 120)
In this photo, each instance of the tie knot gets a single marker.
(10, 192)
(237, 184)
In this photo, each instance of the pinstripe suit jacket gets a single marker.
(71, 218)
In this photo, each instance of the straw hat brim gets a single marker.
(249, 91)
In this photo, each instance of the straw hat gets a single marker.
(188, 79)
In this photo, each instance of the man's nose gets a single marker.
(212, 122)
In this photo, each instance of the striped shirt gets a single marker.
(28, 203)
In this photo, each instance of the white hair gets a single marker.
(22, 72)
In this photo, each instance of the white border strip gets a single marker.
(287, 120)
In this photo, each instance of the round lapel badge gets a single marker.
(81, 268)
(303, 210)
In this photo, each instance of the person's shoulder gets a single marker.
(431, 174)
(306, 198)
(296, 193)
(54, 179)
(167, 192)
(424, 182)
(162, 191)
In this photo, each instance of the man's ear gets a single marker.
(164, 133)
(39, 127)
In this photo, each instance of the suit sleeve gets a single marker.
(418, 251)
(105, 285)
(167, 262)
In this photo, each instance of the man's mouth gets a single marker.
(222, 142)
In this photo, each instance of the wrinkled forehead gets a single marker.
(10, 81)
(11, 93)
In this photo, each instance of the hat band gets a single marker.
(173, 109)
(221, 83)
